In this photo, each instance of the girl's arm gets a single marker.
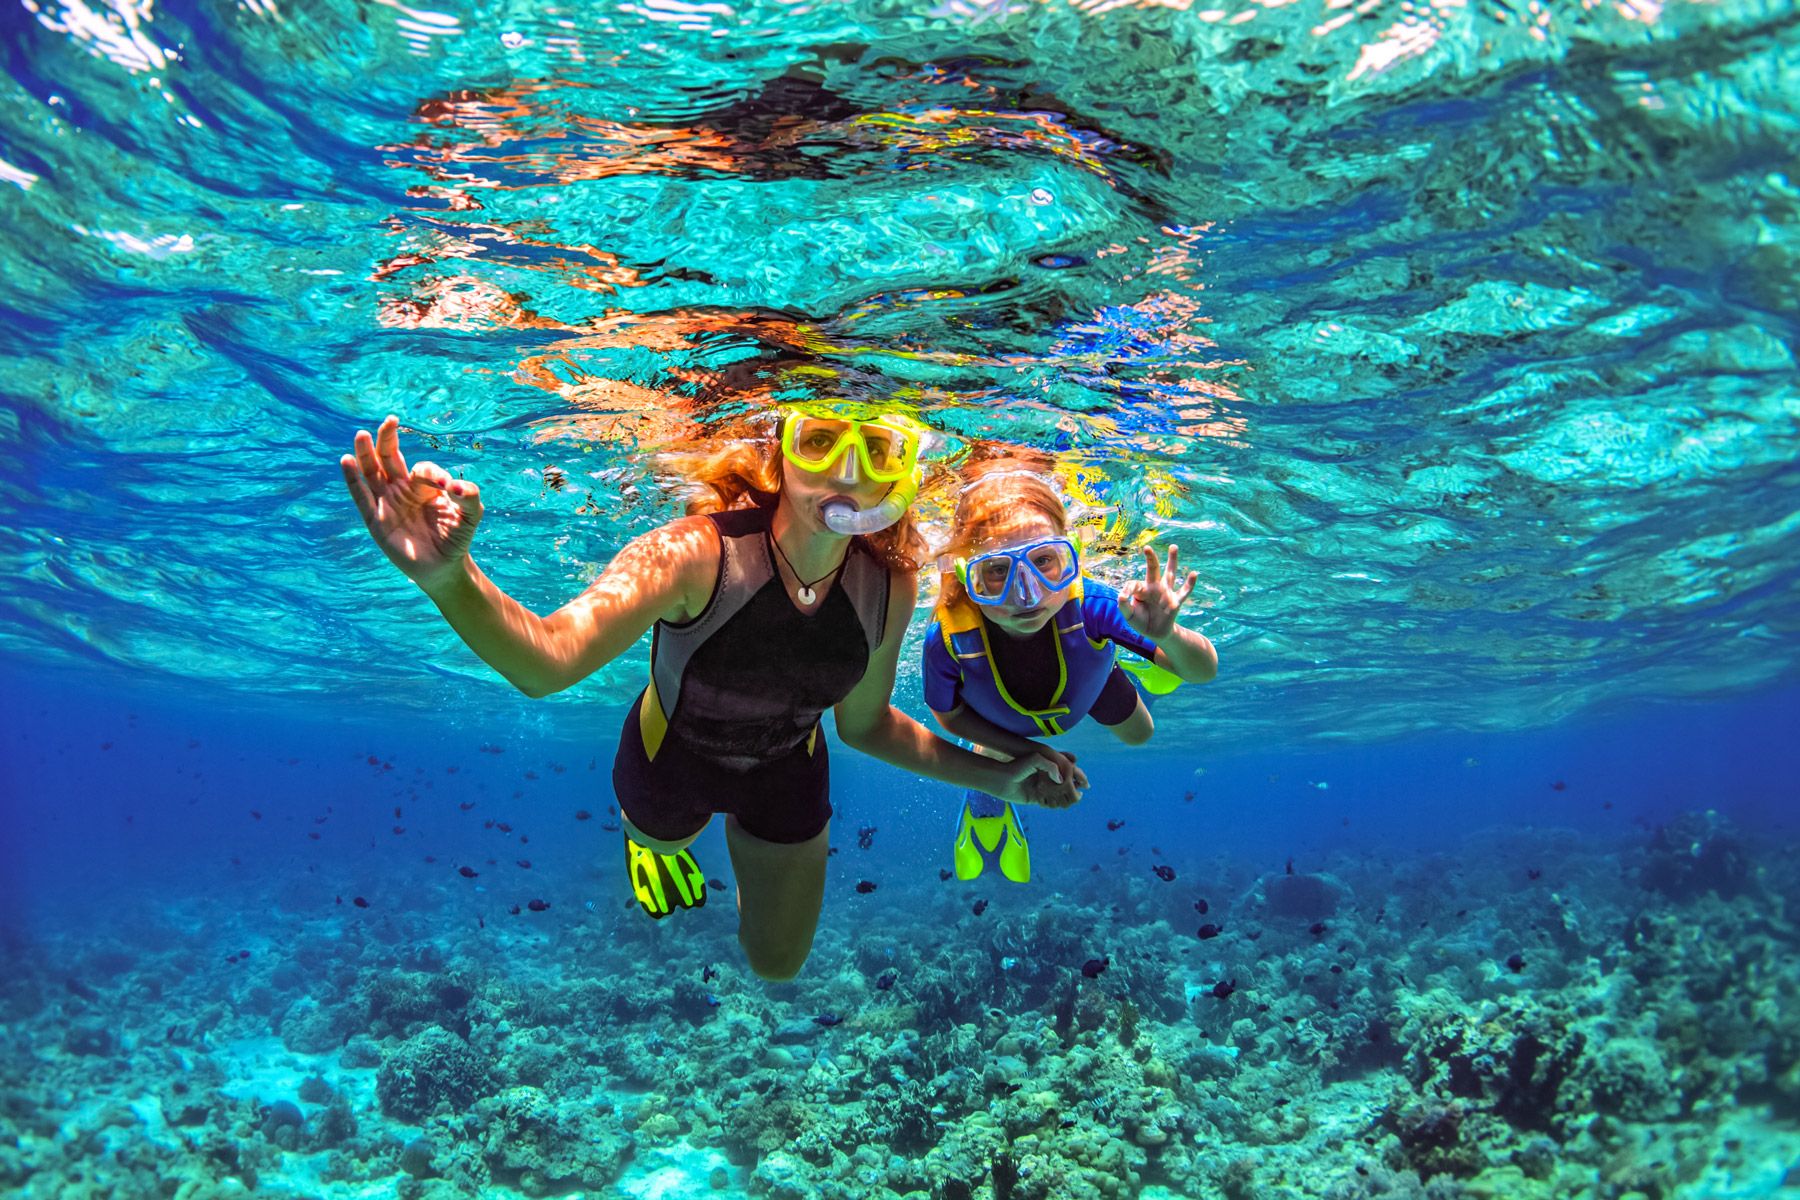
(1189, 654)
(966, 723)
(657, 575)
(868, 721)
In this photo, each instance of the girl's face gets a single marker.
(1029, 605)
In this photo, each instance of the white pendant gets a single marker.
(806, 595)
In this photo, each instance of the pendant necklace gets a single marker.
(804, 593)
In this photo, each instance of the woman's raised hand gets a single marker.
(422, 519)
(1150, 603)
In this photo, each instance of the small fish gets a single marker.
(1209, 930)
(864, 887)
(514, 910)
(1317, 929)
(979, 907)
(313, 834)
(503, 827)
(431, 858)
(717, 885)
(466, 805)
(1223, 988)
(481, 922)
(340, 899)
(399, 829)
(1290, 866)
(886, 980)
(396, 812)
(1092, 967)
(524, 863)
(1534, 873)
(488, 824)
(712, 1000)
(1164, 872)
(708, 973)
(360, 902)
(1516, 962)
(1200, 906)
(1114, 826)
(1187, 797)
(828, 1019)
(537, 905)
(255, 815)
(582, 814)
(467, 872)
(523, 839)
(865, 837)
(943, 874)
(1559, 786)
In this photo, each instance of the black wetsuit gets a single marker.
(730, 722)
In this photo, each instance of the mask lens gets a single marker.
(1055, 561)
(889, 449)
(815, 440)
(988, 576)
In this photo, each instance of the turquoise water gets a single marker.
(1452, 344)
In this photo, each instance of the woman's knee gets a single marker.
(660, 845)
(776, 964)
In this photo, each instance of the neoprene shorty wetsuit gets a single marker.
(730, 721)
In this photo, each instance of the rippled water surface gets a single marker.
(1451, 342)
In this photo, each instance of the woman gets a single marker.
(1023, 644)
(787, 592)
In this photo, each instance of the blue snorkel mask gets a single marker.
(1031, 569)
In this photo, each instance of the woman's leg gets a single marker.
(1136, 729)
(781, 888)
(657, 844)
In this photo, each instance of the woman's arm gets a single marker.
(868, 721)
(966, 723)
(657, 575)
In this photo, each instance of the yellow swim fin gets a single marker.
(980, 840)
(664, 882)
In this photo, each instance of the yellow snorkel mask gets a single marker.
(885, 445)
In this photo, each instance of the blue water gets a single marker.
(1451, 344)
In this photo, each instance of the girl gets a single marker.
(1023, 645)
(786, 592)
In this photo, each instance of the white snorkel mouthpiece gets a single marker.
(842, 516)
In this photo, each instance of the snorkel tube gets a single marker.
(842, 516)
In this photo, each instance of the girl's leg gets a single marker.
(1136, 729)
(781, 888)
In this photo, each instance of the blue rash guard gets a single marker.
(961, 665)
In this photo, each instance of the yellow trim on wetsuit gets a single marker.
(653, 726)
(962, 617)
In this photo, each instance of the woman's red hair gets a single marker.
(742, 467)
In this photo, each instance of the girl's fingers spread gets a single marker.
(387, 445)
(365, 458)
(1152, 568)
(1174, 560)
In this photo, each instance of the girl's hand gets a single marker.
(1040, 778)
(422, 519)
(1150, 604)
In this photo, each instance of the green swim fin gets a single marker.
(664, 882)
(1158, 681)
(981, 840)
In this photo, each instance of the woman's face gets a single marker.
(805, 491)
(1029, 605)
